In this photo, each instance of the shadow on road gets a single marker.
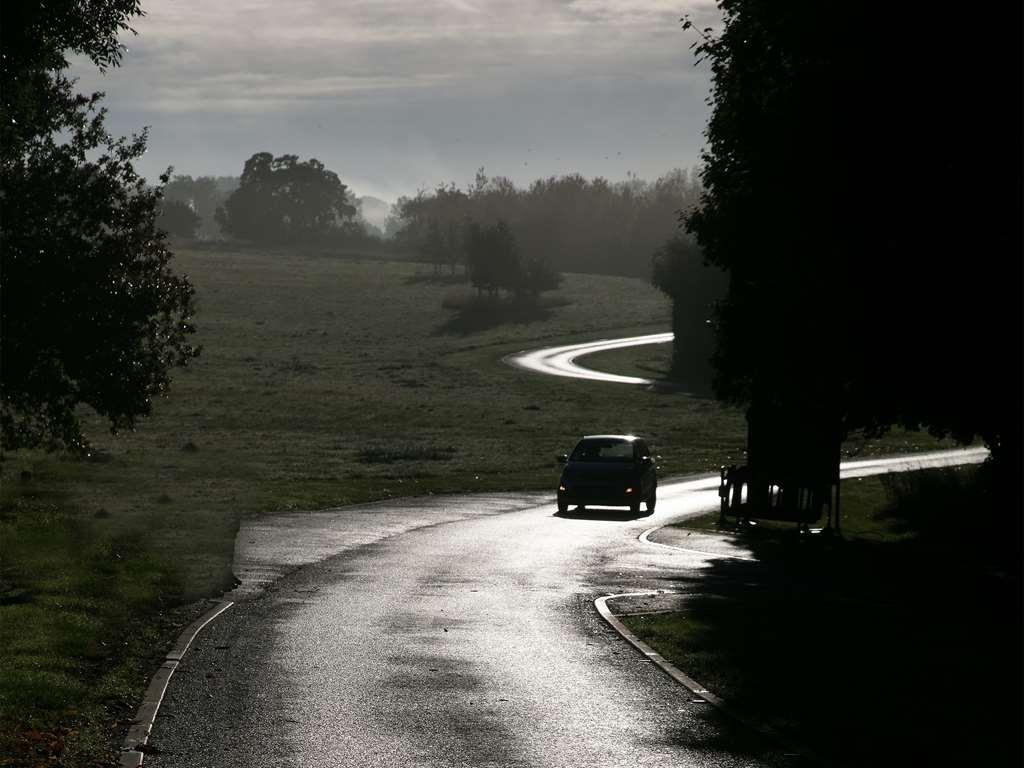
(611, 515)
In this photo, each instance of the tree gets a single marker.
(432, 246)
(178, 219)
(536, 276)
(282, 199)
(859, 300)
(678, 269)
(91, 312)
(203, 195)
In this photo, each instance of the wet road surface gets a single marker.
(465, 643)
(561, 361)
(459, 632)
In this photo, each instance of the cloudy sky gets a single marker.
(396, 95)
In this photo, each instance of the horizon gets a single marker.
(396, 98)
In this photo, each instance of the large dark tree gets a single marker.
(90, 312)
(863, 192)
(281, 199)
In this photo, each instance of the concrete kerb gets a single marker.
(133, 750)
(644, 538)
(694, 687)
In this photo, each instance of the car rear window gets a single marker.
(603, 450)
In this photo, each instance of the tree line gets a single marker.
(568, 223)
(276, 200)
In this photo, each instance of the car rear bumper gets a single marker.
(608, 497)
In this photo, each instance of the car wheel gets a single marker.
(563, 507)
(652, 500)
(634, 508)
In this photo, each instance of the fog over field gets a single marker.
(401, 95)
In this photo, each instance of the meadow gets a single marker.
(324, 380)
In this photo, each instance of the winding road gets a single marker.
(561, 361)
(456, 631)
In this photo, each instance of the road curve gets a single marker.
(455, 631)
(561, 361)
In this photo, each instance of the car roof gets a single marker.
(624, 438)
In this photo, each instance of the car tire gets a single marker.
(634, 508)
(563, 507)
(652, 500)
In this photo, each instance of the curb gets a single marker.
(694, 687)
(652, 655)
(644, 538)
(133, 750)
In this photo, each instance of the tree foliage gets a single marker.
(678, 268)
(282, 199)
(178, 219)
(493, 258)
(862, 186)
(568, 223)
(91, 312)
(203, 195)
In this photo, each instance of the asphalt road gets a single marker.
(453, 631)
(561, 361)
(456, 631)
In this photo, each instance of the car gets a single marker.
(609, 470)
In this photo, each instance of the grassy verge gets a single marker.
(899, 646)
(324, 381)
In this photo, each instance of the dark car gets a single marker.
(609, 470)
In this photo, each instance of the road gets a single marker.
(466, 637)
(454, 631)
(561, 361)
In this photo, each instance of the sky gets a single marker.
(400, 95)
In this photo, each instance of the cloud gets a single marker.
(399, 92)
(255, 54)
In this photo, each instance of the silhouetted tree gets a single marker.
(862, 299)
(178, 219)
(432, 246)
(536, 276)
(203, 195)
(89, 308)
(679, 270)
(282, 199)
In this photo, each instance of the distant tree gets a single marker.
(482, 270)
(91, 313)
(862, 300)
(504, 256)
(679, 270)
(536, 276)
(567, 222)
(281, 199)
(494, 263)
(178, 219)
(203, 195)
(432, 247)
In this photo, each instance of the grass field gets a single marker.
(864, 649)
(323, 381)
